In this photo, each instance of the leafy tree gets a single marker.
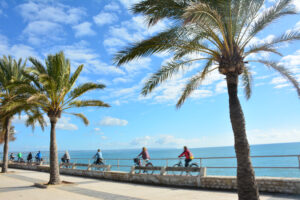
(219, 32)
(13, 100)
(54, 93)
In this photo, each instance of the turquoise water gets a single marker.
(256, 150)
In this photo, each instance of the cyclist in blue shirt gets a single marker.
(98, 157)
(38, 157)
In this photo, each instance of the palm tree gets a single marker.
(219, 32)
(54, 94)
(12, 81)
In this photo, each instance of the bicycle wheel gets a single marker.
(149, 171)
(176, 172)
(137, 171)
(193, 173)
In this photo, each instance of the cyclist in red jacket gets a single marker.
(188, 156)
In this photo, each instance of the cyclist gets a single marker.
(38, 157)
(12, 157)
(98, 157)
(188, 156)
(29, 158)
(20, 155)
(66, 157)
(145, 155)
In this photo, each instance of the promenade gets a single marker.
(18, 185)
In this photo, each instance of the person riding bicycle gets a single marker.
(20, 155)
(145, 155)
(98, 157)
(38, 157)
(29, 158)
(66, 157)
(12, 157)
(188, 156)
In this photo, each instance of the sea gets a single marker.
(122, 160)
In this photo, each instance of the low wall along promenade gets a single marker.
(265, 184)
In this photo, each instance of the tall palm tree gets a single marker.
(12, 81)
(54, 94)
(219, 32)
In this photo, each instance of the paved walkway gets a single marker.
(18, 184)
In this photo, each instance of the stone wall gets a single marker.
(266, 184)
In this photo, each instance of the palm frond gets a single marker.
(37, 66)
(156, 10)
(75, 75)
(159, 43)
(194, 83)
(280, 9)
(283, 71)
(269, 46)
(81, 116)
(82, 89)
(164, 73)
(86, 103)
(35, 117)
(247, 82)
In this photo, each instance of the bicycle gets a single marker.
(98, 162)
(137, 162)
(188, 173)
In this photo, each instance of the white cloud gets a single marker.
(278, 80)
(137, 65)
(97, 129)
(165, 141)
(41, 31)
(17, 50)
(297, 4)
(113, 42)
(129, 3)
(103, 137)
(65, 124)
(104, 18)
(45, 20)
(113, 6)
(121, 80)
(83, 29)
(221, 87)
(110, 121)
(273, 136)
(80, 54)
(33, 11)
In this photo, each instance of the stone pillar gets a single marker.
(202, 171)
(163, 171)
(132, 171)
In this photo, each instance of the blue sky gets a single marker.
(89, 32)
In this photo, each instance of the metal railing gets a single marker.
(198, 160)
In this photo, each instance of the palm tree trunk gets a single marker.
(246, 184)
(54, 167)
(6, 127)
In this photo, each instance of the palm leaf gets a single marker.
(247, 82)
(81, 116)
(86, 103)
(283, 71)
(82, 89)
(194, 83)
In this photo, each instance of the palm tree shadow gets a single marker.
(14, 189)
